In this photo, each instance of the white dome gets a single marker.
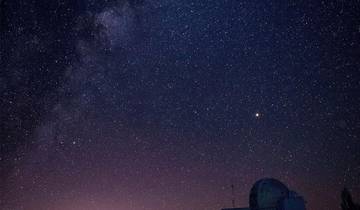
(266, 193)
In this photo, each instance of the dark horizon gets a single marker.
(144, 104)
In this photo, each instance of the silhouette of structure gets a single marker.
(233, 195)
(347, 202)
(271, 194)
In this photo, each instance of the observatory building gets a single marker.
(271, 194)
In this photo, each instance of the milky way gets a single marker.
(165, 104)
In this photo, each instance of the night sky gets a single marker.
(163, 104)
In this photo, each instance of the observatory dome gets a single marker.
(267, 193)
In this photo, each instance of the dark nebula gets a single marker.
(156, 105)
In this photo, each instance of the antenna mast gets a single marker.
(233, 195)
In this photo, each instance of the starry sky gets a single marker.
(163, 104)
